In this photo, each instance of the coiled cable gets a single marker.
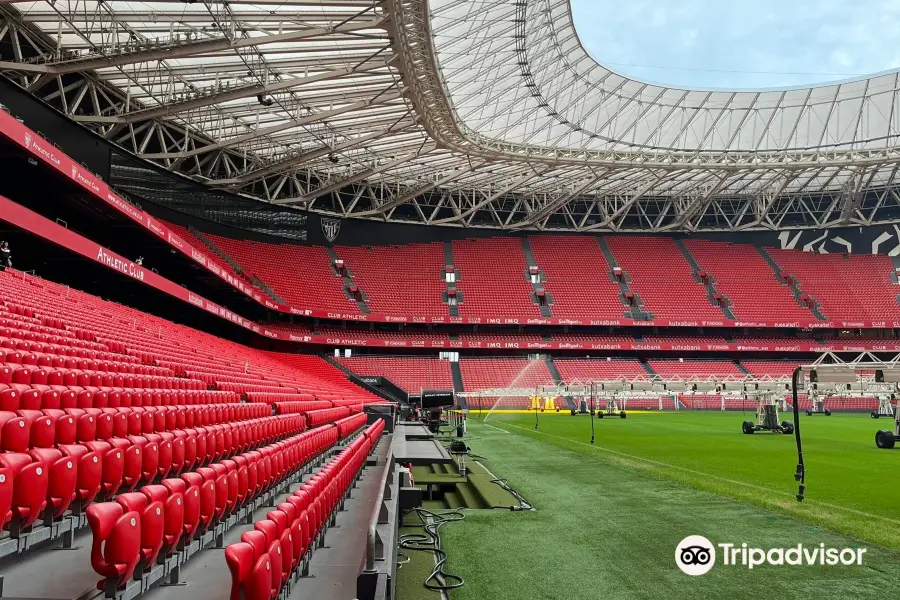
(430, 541)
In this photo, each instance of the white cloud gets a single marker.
(710, 43)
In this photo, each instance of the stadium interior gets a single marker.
(294, 308)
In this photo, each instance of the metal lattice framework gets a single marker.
(462, 113)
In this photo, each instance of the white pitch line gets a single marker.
(497, 428)
(711, 476)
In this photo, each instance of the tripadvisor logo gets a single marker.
(696, 555)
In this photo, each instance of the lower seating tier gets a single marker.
(269, 559)
(44, 483)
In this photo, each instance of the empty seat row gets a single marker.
(20, 396)
(243, 388)
(37, 375)
(269, 558)
(326, 415)
(54, 477)
(140, 528)
(410, 374)
(280, 397)
(49, 338)
(397, 280)
(49, 359)
(350, 425)
(129, 337)
(287, 408)
(65, 350)
(301, 275)
(354, 404)
(24, 429)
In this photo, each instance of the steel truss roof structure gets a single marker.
(464, 113)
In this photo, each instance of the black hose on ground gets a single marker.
(430, 541)
(800, 473)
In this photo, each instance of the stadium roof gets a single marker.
(477, 113)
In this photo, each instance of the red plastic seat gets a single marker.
(30, 482)
(113, 459)
(273, 549)
(133, 462)
(173, 509)
(293, 523)
(239, 558)
(62, 472)
(150, 457)
(258, 586)
(51, 399)
(86, 428)
(120, 424)
(285, 541)
(207, 499)
(42, 428)
(105, 425)
(9, 399)
(178, 451)
(152, 524)
(116, 546)
(15, 432)
(31, 399)
(66, 428)
(6, 494)
(90, 472)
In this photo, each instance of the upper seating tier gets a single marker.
(492, 280)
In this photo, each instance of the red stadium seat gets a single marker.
(30, 483)
(90, 472)
(116, 546)
(173, 508)
(152, 524)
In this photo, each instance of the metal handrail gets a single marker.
(371, 538)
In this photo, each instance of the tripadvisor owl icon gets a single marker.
(695, 555)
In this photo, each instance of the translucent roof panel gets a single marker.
(483, 113)
(538, 85)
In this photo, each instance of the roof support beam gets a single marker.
(308, 156)
(176, 50)
(626, 206)
(240, 139)
(356, 178)
(227, 96)
(418, 191)
(698, 206)
(554, 205)
(491, 198)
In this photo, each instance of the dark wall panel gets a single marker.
(72, 138)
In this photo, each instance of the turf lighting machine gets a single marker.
(610, 399)
(766, 413)
(830, 368)
(886, 394)
(818, 403)
(887, 438)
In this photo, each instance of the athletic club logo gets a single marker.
(331, 228)
(74, 171)
(28, 140)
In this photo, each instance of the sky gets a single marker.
(728, 44)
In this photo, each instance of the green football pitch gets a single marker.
(851, 484)
(609, 516)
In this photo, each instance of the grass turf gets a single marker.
(607, 524)
(850, 482)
